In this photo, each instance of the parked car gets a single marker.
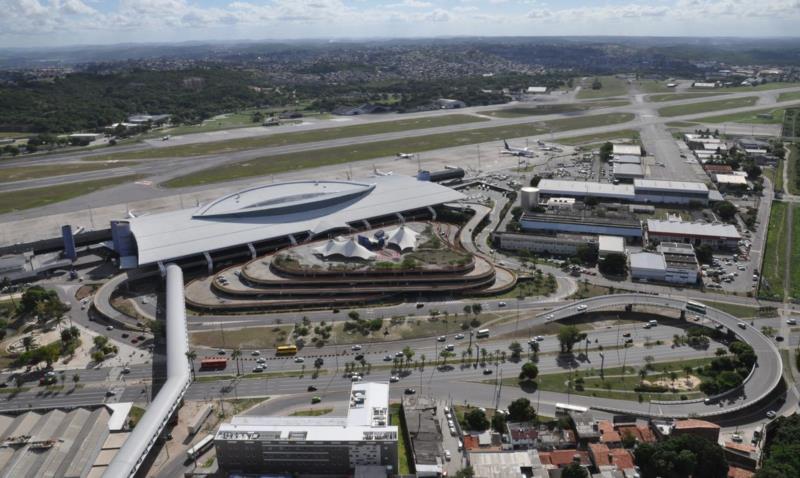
(410, 391)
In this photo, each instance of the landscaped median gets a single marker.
(694, 108)
(280, 163)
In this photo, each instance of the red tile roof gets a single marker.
(471, 442)
(622, 458)
(643, 434)
(600, 454)
(718, 168)
(694, 423)
(563, 457)
(607, 432)
(740, 447)
(734, 472)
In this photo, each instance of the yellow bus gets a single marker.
(286, 350)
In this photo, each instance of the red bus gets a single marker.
(213, 363)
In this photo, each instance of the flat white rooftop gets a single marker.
(672, 186)
(367, 420)
(633, 149)
(588, 188)
(278, 210)
(697, 229)
(611, 244)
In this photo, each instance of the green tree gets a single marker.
(499, 423)
(568, 336)
(681, 456)
(614, 264)
(28, 342)
(516, 350)
(628, 439)
(606, 150)
(75, 379)
(191, 355)
(235, 355)
(574, 470)
(725, 210)
(467, 472)
(408, 353)
(476, 420)
(704, 253)
(529, 371)
(587, 254)
(521, 410)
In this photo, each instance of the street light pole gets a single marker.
(602, 363)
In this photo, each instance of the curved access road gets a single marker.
(764, 378)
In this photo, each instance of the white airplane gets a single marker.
(516, 151)
(546, 147)
(378, 172)
(406, 155)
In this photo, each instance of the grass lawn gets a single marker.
(311, 412)
(794, 270)
(775, 175)
(616, 384)
(241, 404)
(599, 137)
(652, 86)
(694, 108)
(248, 338)
(409, 327)
(403, 454)
(135, 415)
(741, 311)
(740, 89)
(37, 197)
(282, 139)
(13, 134)
(611, 86)
(547, 109)
(358, 152)
(680, 124)
(586, 291)
(678, 96)
(528, 288)
(774, 254)
(791, 172)
(751, 117)
(792, 95)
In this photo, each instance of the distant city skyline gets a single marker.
(36, 23)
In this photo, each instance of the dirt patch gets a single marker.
(86, 291)
(683, 384)
(246, 338)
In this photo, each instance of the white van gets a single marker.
(653, 323)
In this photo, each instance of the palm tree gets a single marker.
(235, 356)
(191, 355)
(422, 360)
(643, 373)
(75, 379)
(27, 342)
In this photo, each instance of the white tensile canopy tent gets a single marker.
(347, 248)
(404, 238)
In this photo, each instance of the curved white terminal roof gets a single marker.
(404, 238)
(278, 210)
(348, 248)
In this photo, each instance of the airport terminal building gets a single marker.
(275, 214)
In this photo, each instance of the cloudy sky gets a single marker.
(66, 22)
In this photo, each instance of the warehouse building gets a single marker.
(627, 171)
(610, 245)
(670, 192)
(641, 191)
(627, 159)
(718, 236)
(625, 226)
(673, 264)
(627, 149)
(558, 244)
(313, 445)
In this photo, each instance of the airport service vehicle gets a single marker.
(696, 307)
(482, 333)
(202, 446)
(286, 350)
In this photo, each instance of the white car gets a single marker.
(538, 338)
(299, 359)
(550, 317)
(791, 321)
(441, 338)
(356, 378)
(447, 455)
(394, 378)
(459, 336)
(255, 353)
(582, 307)
(355, 347)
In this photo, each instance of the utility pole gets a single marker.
(479, 158)
(602, 363)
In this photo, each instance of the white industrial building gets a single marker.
(731, 180)
(674, 263)
(627, 159)
(313, 445)
(718, 236)
(536, 90)
(627, 149)
(641, 191)
(555, 244)
(627, 171)
(610, 245)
